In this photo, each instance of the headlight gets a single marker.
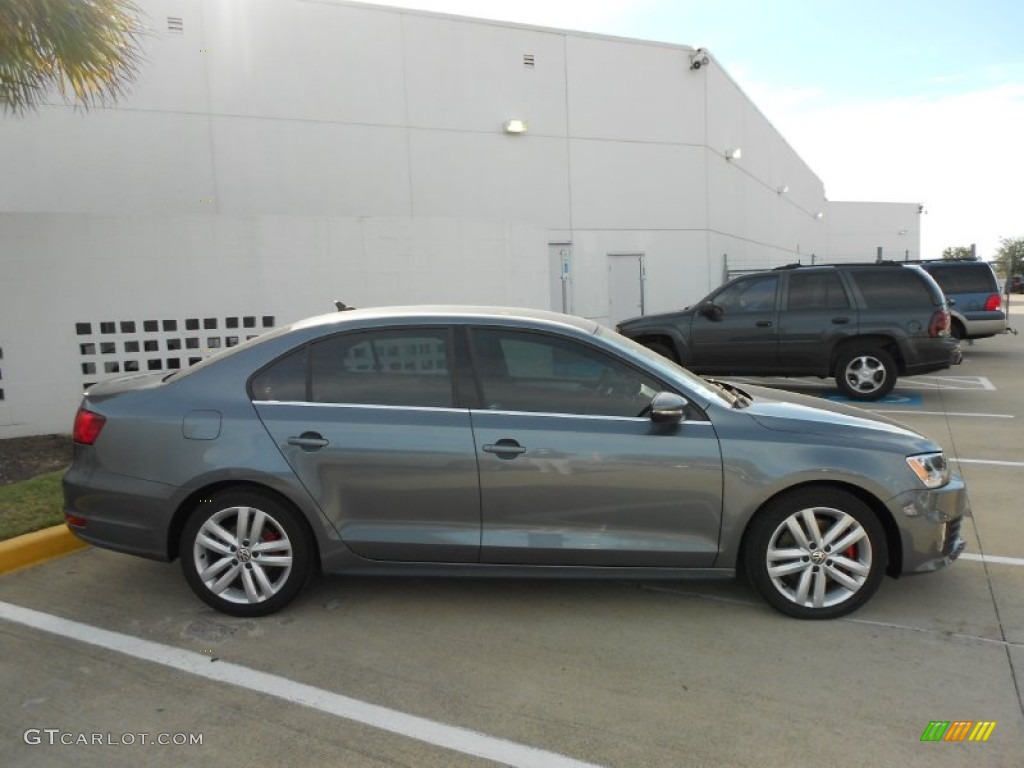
(931, 468)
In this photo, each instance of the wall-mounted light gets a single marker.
(819, 215)
(733, 154)
(783, 189)
(515, 126)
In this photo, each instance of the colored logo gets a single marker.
(958, 730)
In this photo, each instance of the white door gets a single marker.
(625, 286)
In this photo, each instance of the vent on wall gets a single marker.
(160, 343)
(175, 24)
(528, 60)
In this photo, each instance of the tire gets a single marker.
(816, 575)
(233, 573)
(662, 349)
(957, 331)
(866, 373)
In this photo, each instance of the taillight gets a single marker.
(87, 426)
(993, 302)
(939, 323)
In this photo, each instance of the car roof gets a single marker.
(458, 313)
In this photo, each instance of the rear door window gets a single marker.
(387, 367)
(816, 290)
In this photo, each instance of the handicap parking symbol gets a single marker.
(893, 398)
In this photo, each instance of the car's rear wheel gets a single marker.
(956, 330)
(816, 553)
(866, 373)
(245, 553)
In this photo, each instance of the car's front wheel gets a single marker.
(245, 553)
(816, 553)
(866, 373)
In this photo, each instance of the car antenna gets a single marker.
(342, 306)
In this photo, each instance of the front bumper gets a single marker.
(930, 523)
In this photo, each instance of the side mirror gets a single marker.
(711, 311)
(668, 408)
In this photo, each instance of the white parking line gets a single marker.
(945, 413)
(992, 462)
(994, 559)
(954, 382)
(419, 728)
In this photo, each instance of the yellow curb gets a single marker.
(37, 547)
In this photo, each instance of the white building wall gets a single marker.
(175, 268)
(279, 154)
(857, 230)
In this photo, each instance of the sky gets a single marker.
(918, 101)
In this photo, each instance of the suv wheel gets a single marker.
(865, 373)
(816, 553)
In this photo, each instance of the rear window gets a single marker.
(965, 278)
(894, 288)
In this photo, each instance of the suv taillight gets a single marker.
(87, 426)
(939, 323)
(993, 302)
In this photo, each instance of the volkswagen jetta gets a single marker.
(498, 442)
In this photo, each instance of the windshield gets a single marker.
(695, 384)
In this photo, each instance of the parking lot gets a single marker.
(545, 673)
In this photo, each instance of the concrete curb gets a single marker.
(37, 547)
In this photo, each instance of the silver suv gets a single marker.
(972, 291)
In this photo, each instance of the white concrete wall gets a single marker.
(278, 154)
(857, 230)
(139, 268)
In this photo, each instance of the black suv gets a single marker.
(972, 291)
(865, 324)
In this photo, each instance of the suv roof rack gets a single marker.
(886, 263)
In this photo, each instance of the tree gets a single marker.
(88, 49)
(1010, 256)
(959, 253)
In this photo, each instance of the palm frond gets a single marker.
(87, 49)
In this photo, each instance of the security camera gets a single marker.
(698, 59)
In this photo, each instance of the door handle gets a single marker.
(840, 320)
(505, 449)
(309, 441)
(763, 323)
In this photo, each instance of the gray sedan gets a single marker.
(497, 442)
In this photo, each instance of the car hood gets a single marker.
(790, 412)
